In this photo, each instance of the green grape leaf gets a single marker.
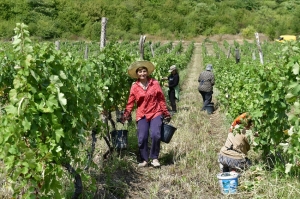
(62, 74)
(288, 167)
(296, 68)
(10, 109)
(58, 134)
(13, 150)
(26, 124)
(62, 99)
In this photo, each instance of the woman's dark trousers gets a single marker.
(172, 99)
(207, 97)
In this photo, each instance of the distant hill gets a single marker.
(169, 19)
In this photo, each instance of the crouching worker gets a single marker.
(233, 155)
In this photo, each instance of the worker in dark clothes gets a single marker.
(206, 82)
(173, 85)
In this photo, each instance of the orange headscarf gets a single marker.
(237, 120)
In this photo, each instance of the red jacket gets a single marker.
(150, 102)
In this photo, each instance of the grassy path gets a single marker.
(189, 164)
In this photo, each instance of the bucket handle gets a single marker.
(165, 121)
(124, 125)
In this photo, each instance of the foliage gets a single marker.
(269, 93)
(53, 104)
(186, 19)
(51, 100)
(248, 32)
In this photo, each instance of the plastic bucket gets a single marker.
(119, 139)
(167, 132)
(228, 182)
(209, 108)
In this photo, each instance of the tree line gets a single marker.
(170, 19)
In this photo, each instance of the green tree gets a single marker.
(6, 9)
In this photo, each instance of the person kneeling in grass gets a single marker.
(233, 155)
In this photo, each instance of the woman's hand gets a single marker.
(167, 119)
(124, 118)
(164, 78)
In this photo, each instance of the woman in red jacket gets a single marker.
(151, 110)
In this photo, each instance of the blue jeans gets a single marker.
(155, 133)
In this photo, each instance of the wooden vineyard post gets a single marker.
(103, 33)
(218, 54)
(152, 50)
(259, 48)
(86, 56)
(229, 51)
(253, 55)
(141, 46)
(237, 56)
(86, 52)
(107, 114)
(57, 45)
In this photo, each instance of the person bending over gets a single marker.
(233, 155)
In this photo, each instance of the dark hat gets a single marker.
(209, 67)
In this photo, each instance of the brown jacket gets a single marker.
(236, 147)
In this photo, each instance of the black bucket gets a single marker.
(167, 132)
(119, 139)
(209, 108)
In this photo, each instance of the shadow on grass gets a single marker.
(117, 176)
(170, 157)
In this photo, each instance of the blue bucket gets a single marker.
(228, 182)
(167, 132)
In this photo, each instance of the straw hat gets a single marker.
(173, 67)
(132, 68)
